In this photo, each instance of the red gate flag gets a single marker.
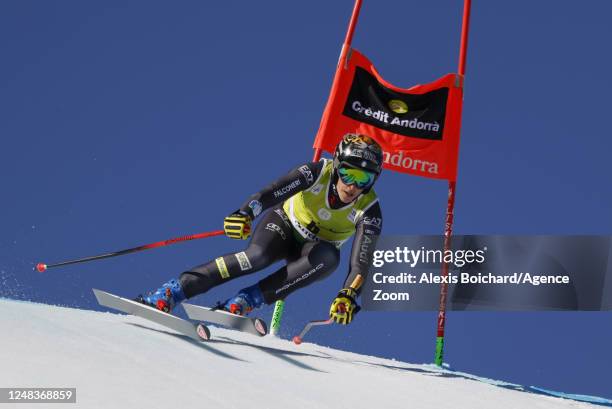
(417, 127)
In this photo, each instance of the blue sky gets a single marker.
(130, 122)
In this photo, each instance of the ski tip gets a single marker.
(41, 267)
(98, 292)
(297, 340)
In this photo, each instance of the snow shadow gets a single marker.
(208, 346)
(275, 352)
(203, 345)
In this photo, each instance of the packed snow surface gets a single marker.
(117, 361)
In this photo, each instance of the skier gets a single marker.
(315, 208)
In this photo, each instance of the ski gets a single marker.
(198, 332)
(255, 326)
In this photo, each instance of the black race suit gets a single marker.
(274, 239)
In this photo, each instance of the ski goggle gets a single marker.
(362, 179)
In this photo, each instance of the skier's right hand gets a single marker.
(237, 226)
(344, 307)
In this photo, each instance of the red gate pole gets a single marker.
(448, 225)
(280, 304)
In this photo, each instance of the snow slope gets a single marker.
(123, 361)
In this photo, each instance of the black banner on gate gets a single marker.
(493, 273)
(413, 115)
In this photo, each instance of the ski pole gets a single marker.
(298, 338)
(41, 267)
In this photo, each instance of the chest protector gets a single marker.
(313, 218)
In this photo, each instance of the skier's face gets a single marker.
(347, 193)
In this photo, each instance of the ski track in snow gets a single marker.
(124, 361)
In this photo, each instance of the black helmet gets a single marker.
(359, 151)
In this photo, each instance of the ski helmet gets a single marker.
(360, 152)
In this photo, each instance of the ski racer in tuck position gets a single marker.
(315, 208)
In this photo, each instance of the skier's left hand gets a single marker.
(237, 225)
(344, 306)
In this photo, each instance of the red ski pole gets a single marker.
(298, 338)
(41, 267)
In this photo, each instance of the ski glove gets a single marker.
(237, 226)
(344, 306)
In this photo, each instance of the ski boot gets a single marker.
(164, 298)
(245, 301)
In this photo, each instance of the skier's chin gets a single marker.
(346, 197)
